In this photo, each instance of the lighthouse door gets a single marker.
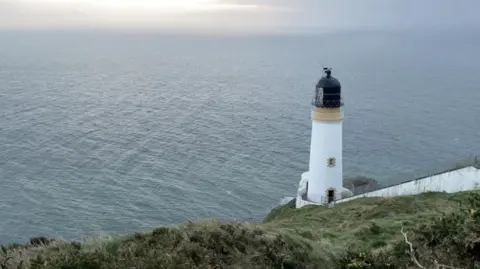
(331, 196)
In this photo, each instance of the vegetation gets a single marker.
(361, 184)
(431, 230)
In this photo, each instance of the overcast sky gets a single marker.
(238, 14)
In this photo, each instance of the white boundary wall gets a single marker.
(463, 179)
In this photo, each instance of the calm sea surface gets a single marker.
(109, 133)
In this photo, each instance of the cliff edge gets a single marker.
(426, 230)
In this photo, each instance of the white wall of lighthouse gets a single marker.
(326, 161)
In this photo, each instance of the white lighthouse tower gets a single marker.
(323, 183)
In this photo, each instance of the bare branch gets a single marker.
(412, 255)
(412, 252)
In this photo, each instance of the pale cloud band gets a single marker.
(269, 15)
(123, 13)
(141, 6)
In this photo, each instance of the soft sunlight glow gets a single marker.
(172, 14)
(168, 5)
(147, 6)
(138, 7)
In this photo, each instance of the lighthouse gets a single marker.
(323, 183)
(325, 179)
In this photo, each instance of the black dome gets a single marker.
(328, 82)
(328, 93)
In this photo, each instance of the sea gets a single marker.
(109, 132)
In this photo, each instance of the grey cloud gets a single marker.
(379, 13)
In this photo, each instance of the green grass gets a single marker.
(311, 237)
(368, 221)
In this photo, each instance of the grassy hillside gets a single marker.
(365, 233)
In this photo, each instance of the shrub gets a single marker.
(357, 259)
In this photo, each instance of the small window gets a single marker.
(332, 162)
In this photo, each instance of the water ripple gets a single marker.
(99, 137)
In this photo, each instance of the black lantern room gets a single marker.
(328, 93)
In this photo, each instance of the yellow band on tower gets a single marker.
(327, 114)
